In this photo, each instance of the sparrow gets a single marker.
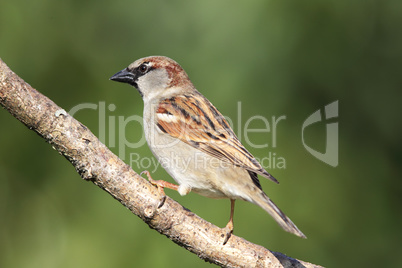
(193, 141)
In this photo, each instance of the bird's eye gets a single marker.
(143, 68)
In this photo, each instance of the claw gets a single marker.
(162, 201)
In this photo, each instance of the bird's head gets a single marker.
(155, 77)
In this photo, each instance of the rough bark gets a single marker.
(95, 162)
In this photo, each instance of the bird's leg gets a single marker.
(161, 185)
(229, 226)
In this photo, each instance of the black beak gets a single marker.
(124, 76)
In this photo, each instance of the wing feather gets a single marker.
(195, 121)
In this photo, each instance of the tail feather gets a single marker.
(280, 217)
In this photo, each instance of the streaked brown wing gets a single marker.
(195, 121)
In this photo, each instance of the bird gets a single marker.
(194, 142)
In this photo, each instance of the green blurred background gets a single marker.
(278, 58)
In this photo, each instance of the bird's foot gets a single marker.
(160, 184)
(228, 231)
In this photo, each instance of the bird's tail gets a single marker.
(280, 217)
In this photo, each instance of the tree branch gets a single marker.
(95, 162)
